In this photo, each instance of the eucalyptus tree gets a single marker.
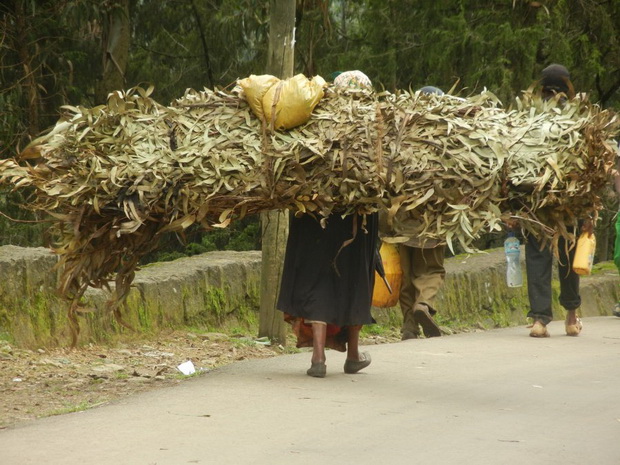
(471, 44)
(194, 44)
(46, 60)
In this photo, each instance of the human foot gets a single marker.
(423, 316)
(353, 366)
(317, 370)
(539, 329)
(572, 324)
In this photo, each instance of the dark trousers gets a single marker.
(539, 266)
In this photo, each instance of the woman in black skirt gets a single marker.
(327, 284)
(329, 274)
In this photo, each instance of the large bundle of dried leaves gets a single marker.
(117, 177)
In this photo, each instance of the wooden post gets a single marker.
(275, 224)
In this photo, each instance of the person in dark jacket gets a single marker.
(422, 263)
(555, 82)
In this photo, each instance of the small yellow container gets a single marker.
(584, 255)
(381, 296)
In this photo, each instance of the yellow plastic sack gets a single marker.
(381, 296)
(255, 87)
(293, 101)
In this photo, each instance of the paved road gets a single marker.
(495, 397)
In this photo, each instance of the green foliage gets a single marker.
(244, 234)
(18, 226)
(474, 44)
(189, 44)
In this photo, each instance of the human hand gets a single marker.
(511, 222)
(588, 227)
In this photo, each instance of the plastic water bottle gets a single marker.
(514, 278)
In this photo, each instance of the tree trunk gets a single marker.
(29, 81)
(206, 56)
(275, 224)
(115, 53)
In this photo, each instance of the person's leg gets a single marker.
(319, 334)
(408, 294)
(538, 267)
(353, 342)
(355, 360)
(569, 287)
(429, 274)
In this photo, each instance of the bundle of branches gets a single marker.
(116, 177)
(561, 159)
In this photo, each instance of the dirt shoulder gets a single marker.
(40, 383)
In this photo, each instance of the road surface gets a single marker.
(494, 397)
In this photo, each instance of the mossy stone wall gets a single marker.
(221, 289)
(212, 290)
(475, 293)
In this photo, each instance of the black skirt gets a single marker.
(329, 272)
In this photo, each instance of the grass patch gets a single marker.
(603, 267)
(85, 405)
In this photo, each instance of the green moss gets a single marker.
(215, 302)
(379, 330)
(144, 317)
(247, 315)
(388, 317)
(480, 300)
(41, 316)
(5, 325)
(604, 267)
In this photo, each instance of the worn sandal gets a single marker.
(318, 370)
(353, 366)
(574, 330)
(539, 330)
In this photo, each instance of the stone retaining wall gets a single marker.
(211, 290)
(475, 292)
(219, 289)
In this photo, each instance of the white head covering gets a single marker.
(354, 80)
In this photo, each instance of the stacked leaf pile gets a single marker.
(561, 160)
(117, 177)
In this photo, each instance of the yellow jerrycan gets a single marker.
(584, 255)
(381, 296)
